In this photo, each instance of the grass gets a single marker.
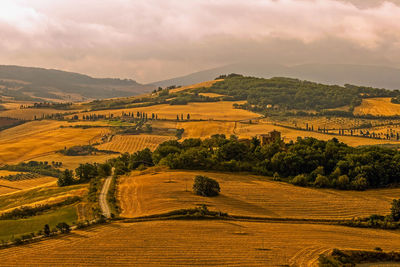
(158, 191)
(40, 195)
(203, 243)
(15, 228)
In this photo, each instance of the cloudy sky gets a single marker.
(150, 40)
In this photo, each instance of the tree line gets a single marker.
(305, 162)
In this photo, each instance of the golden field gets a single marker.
(378, 107)
(202, 243)
(39, 138)
(72, 162)
(133, 143)
(7, 187)
(206, 129)
(222, 110)
(197, 85)
(246, 130)
(156, 192)
(249, 130)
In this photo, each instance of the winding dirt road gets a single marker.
(103, 198)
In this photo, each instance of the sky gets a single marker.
(151, 40)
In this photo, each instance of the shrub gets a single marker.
(359, 184)
(321, 181)
(395, 210)
(300, 179)
(343, 181)
(63, 227)
(205, 186)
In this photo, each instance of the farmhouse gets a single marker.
(269, 137)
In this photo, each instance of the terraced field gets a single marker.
(133, 143)
(158, 191)
(188, 243)
(40, 138)
(377, 107)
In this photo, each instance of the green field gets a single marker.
(36, 195)
(16, 228)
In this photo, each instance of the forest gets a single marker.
(306, 162)
(288, 93)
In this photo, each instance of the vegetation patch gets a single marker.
(352, 257)
(43, 168)
(84, 151)
(25, 211)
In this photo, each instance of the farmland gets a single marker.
(222, 110)
(156, 192)
(44, 194)
(377, 107)
(39, 138)
(7, 187)
(133, 143)
(203, 243)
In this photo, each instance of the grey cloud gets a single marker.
(156, 39)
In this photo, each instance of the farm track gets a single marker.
(103, 197)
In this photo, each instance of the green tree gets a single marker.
(66, 178)
(205, 186)
(46, 230)
(395, 210)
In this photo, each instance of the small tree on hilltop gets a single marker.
(206, 187)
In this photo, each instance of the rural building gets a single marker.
(269, 137)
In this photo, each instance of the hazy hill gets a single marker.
(26, 82)
(374, 76)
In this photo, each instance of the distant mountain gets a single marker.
(374, 76)
(25, 83)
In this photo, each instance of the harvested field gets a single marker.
(7, 187)
(249, 130)
(39, 138)
(211, 94)
(197, 85)
(378, 107)
(73, 162)
(206, 129)
(133, 143)
(188, 243)
(159, 192)
(222, 110)
(29, 114)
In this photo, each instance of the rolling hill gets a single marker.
(25, 83)
(374, 76)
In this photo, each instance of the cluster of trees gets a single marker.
(83, 151)
(48, 105)
(20, 176)
(84, 173)
(306, 162)
(42, 167)
(205, 186)
(181, 117)
(287, 93)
